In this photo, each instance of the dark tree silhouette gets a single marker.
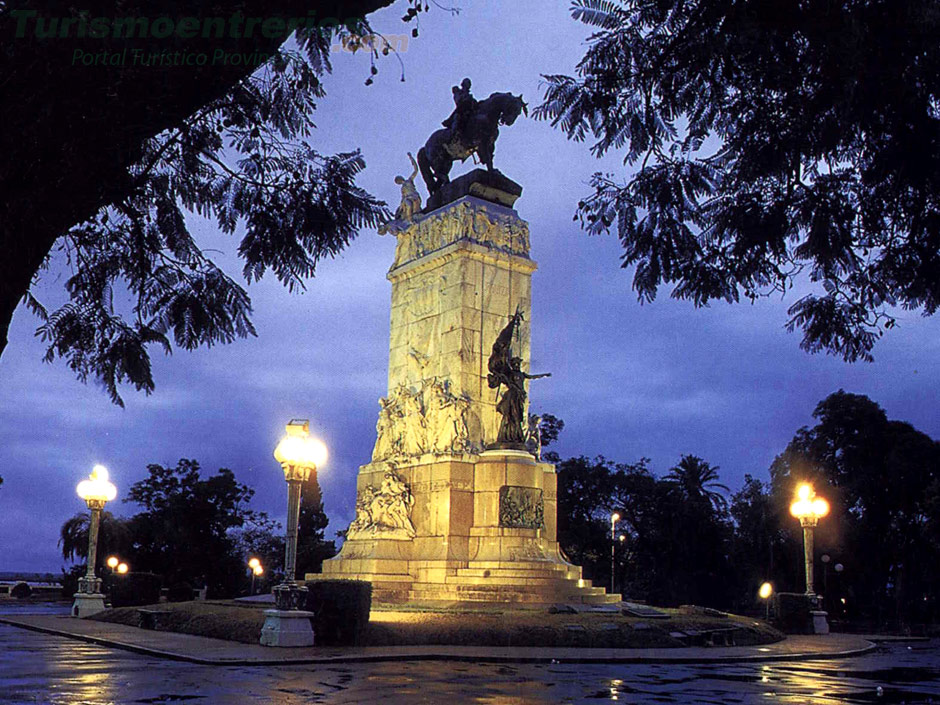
(879, 476)
(770, 144)
(101, 162)
(698, 480)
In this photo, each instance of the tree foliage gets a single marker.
(114, 538)
(881, 478)
(103, 179)
(771, 146)
(312, 548)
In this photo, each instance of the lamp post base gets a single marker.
(87, 604)
(287, 628)
(820, 624)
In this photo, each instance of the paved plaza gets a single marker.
(44, 668)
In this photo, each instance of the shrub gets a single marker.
(341, 610)
(21, 591)
(135, 589)
(792, 612)
(180, 592)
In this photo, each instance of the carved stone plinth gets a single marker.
(438, 517)
(89, 599)
(86, 604)
(287, 628)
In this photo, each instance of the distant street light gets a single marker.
(809, 509)
(614, 518)
(299, 456)
(113, 562)
(764, 592)
(122, 568)
(96, 491)
(254, 565)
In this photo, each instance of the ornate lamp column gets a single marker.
(96, 491)
(299, 455)
(809, 509)
(614, 518)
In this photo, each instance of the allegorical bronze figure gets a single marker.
(471, 129)
(506, 371)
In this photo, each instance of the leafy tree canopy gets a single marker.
(102, 162)
(772, 145)
(880, 477)
(186, 529)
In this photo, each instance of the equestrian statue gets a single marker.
(471, 129)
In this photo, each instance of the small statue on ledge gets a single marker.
(410, 204)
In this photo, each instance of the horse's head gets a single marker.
(512, 107)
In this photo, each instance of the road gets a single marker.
(40, 668)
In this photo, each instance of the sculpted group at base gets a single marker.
(455, 504)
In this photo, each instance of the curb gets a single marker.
(431, 655)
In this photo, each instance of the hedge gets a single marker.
(341, 611)
(135, 589)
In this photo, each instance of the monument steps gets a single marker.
(557, 571)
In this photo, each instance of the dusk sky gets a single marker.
(727, 383)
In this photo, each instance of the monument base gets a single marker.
(287, 628)
(87, 604)
(486, 534)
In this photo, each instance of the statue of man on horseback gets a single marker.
(471, 129)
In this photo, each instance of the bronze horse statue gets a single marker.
(447, 145)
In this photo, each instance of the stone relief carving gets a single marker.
(385, 511)
(431, 419)
(468, 221)
(521, 507)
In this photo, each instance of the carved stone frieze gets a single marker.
(521, 507)
(470, 220)
(430, 419)
(384, 511)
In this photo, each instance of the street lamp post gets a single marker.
(96, 491)
(299, 456)
(809, 509)
(614, 518)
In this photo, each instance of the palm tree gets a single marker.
(698, 480)
(113, 537)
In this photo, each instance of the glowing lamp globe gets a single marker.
(97, 490)
(765, 591)
(122, 568)
(298, 452)
(254, 563)
(113, 562)
(258, 570)
(807, 507)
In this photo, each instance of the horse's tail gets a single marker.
(424, 165)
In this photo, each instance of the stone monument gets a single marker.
(454, 506)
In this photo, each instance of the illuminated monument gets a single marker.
(455, 505)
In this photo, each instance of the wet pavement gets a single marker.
(41, 668)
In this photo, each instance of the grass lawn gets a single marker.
(498, 627)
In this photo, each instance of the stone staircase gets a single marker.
(523, 582)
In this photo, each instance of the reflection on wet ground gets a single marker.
(39, 668)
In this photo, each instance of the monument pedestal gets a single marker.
(439, 518)
(484, 532)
